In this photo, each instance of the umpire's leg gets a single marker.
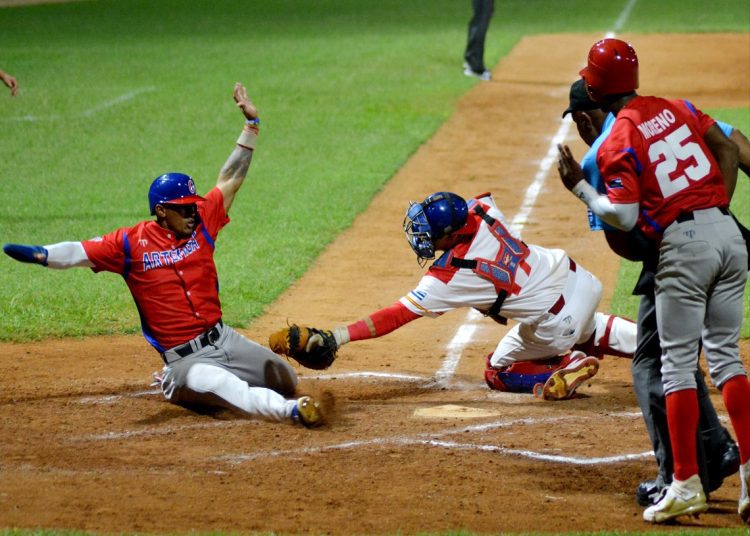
(647, 384)
(478, 26)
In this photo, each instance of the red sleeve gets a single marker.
(381, 322)
(212, 212)
(619, 163)
(107, 253)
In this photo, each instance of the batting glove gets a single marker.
(23, 253)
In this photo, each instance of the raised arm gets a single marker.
(234, 171)
(9, 81)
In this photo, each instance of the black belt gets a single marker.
(201, 341)
(560, 303)
(688, 216)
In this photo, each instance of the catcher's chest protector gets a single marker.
(511, 256)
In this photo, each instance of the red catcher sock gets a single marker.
(682, 417)
(736, 395)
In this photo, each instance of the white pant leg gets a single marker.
(554, 334)
(622, 337)
(219, 387)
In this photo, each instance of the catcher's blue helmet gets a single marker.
(439, 215)
(173, 188)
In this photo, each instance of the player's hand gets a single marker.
(11, 82)
(244, 103)
(569, 169)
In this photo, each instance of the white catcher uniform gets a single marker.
(552, 298)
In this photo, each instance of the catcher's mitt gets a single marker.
(310, 347)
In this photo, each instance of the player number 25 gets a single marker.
(672, 150)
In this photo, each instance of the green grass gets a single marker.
(347, 91)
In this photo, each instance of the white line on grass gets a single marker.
(623, 18)
(89, 112)
(463, 335)
(130, 95)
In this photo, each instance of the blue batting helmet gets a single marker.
(174, 188)
(439, 215)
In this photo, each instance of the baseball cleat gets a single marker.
(157, 378)
(564, 382)
(649, 492)
(744, 505)
(308, 412)
(680, 498)
(484, 75)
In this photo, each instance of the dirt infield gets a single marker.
(86, 444)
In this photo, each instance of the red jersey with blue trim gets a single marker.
(655, 155)
(173, 282)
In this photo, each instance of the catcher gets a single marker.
(559, 336)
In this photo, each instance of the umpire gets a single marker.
(718, 456)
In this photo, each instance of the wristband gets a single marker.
(341, 334)
(249, 134)
(24, 253)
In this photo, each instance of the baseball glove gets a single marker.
(310, 347)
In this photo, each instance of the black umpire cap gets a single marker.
(579, 99)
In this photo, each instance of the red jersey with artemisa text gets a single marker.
(656, 156)
(173, 282)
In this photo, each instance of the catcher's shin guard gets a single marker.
(520, 377)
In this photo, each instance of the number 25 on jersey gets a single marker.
(676, 152)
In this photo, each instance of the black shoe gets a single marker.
(648, 492)
(724, 466)
(730, 460)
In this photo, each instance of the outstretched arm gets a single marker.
(316, 348)
(377, 324)
(62, 255)
(234, 171)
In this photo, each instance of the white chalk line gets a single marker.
(162, 430)
(366, 374)
(434, 439)
(466, 330)
(89, 112)
(110, 399)
(424, 380)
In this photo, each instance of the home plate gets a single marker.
(453, 411)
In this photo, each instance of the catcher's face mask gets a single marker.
(418, 233)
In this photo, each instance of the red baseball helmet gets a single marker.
(612, 69)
